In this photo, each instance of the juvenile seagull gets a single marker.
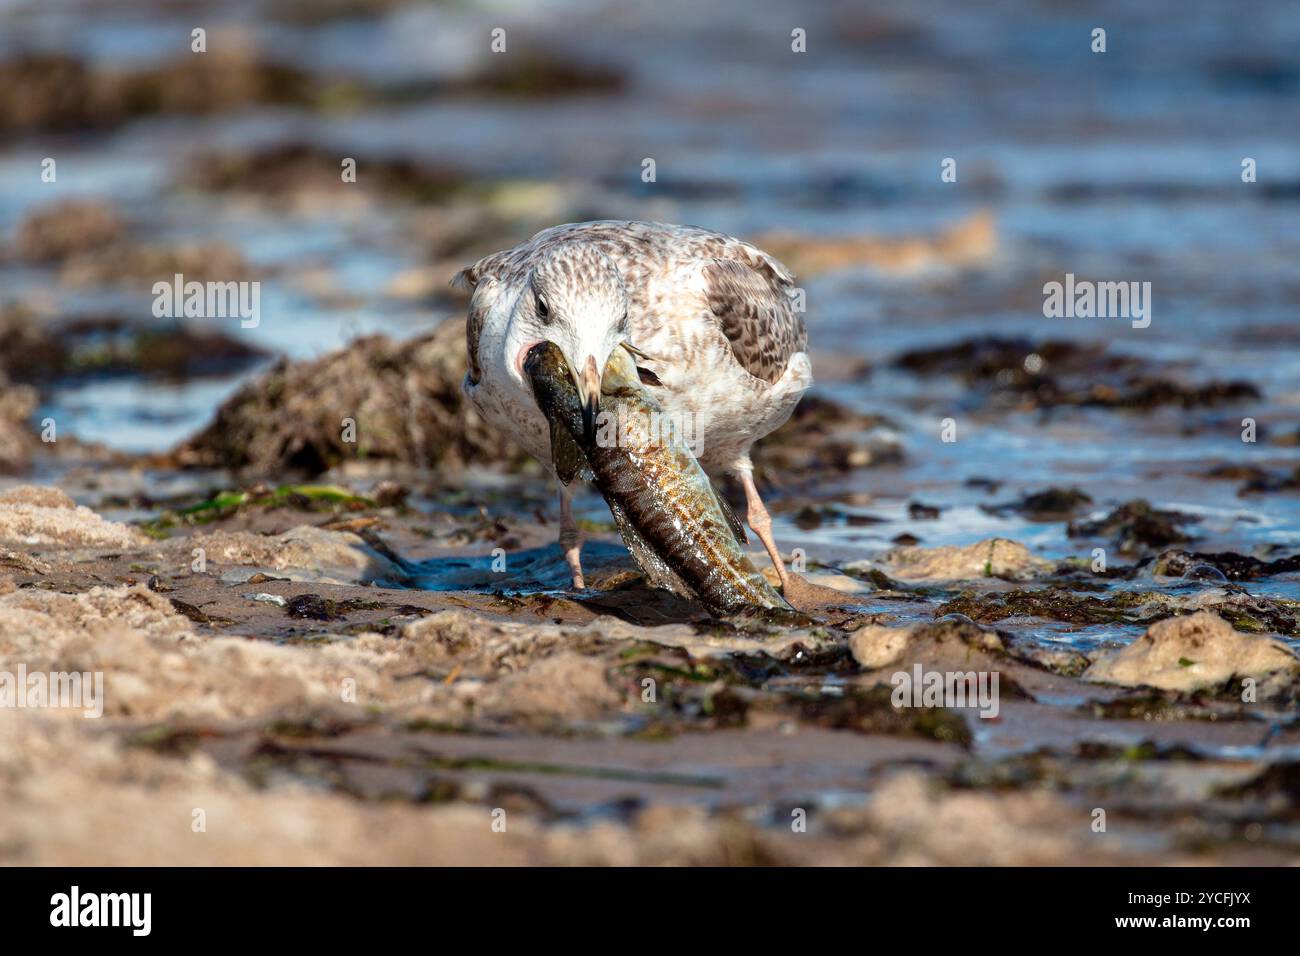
(710, 319)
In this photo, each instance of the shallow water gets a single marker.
(1117, 166)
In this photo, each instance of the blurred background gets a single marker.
(924, 296)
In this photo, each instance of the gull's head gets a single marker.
(574, 298)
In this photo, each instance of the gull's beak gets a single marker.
(588, 381)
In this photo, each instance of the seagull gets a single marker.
(711, 320)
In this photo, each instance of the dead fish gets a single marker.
(679, 531)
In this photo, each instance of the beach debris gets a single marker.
(403, 401)
(279, 600)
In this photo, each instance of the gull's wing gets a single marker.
(752, 300)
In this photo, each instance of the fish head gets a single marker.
(557, 396)
(553, 387)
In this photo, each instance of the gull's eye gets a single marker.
(542, 310)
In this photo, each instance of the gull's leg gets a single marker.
(758, 517)
(570, 538)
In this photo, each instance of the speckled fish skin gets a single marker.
(661, 499)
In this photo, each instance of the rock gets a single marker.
(1270, 482)
(1018, 373)
(42, 352)
(145, 262)
(1245, 612)
(1051, 504)
(919, 511)
(46, 517)
(1233, 566)
(287, 170)
(61, 92)
(1014, 363)
(992, 557)
(1192, 652)
(390, 494)
(537, 74)
(874, 647)
(1135, 526)
(1052, 604)
(29, 349)
(404, 397)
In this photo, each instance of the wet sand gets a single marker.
(319, 705)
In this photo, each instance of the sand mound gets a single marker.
(157, 668)
(46, 617)
(969, 241)
(922, 826)
(564, 685)
(71, 797)
(46, 517)
(304, 553)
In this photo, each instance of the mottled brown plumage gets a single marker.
(752, 303)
